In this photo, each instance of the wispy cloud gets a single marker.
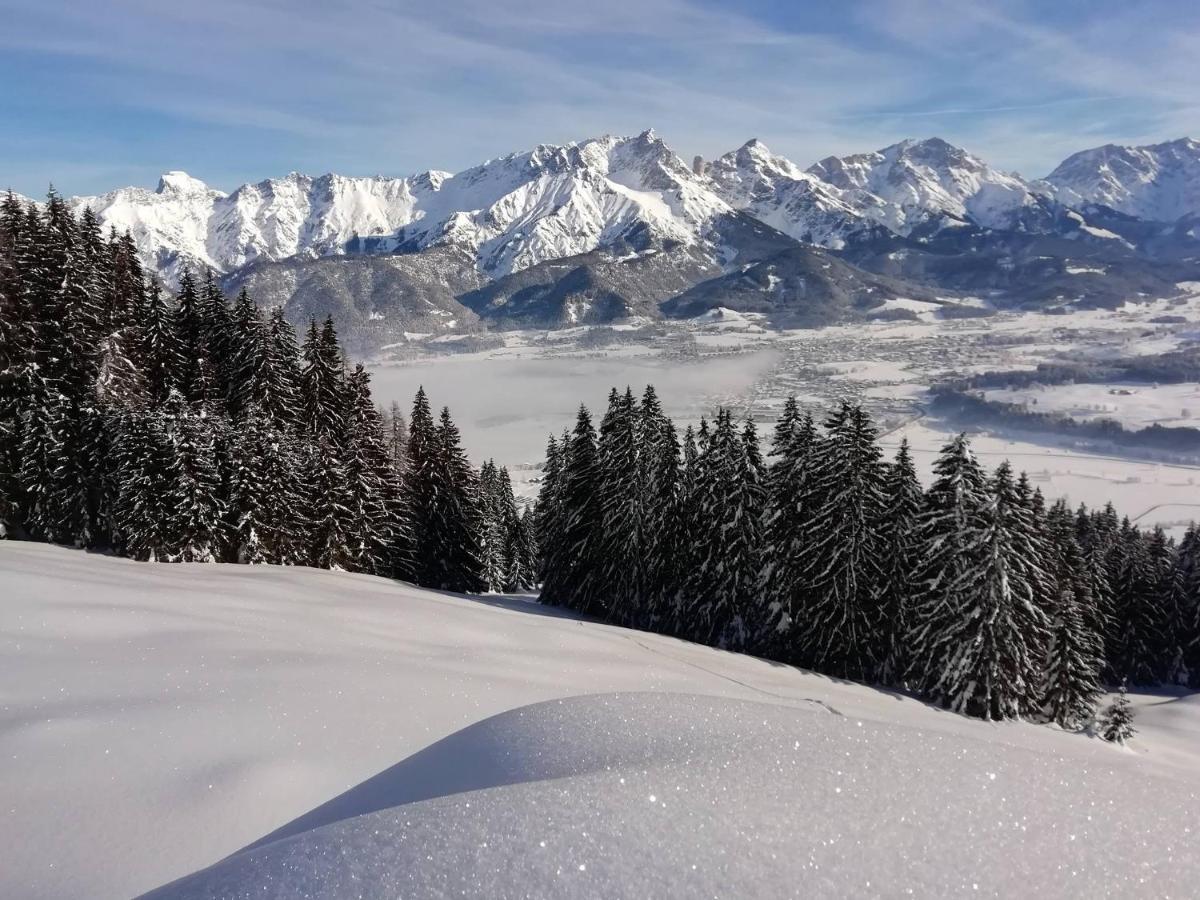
(246, 89)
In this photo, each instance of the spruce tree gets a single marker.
(330, 514)
(1140, 622)
(144, 459)
(992, 658)
(322, 384)
(454, 523)
(195, 530)
(839, 626)
(621, 496)
(951, 527)
(281, 390)
(791, 504)
(1116, 725)
(574, 563)
(720, 605)
(547, 520)
(666, 532)
(368, 470)
(899, 538)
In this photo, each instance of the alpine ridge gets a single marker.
(615, 226)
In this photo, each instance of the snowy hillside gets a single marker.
(913, 182)
(778, 192)
(355, 736)
(1160, 182)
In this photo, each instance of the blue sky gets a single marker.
(94, 95)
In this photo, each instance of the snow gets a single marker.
(1134, 405)
(511, 212)
(906, 184)
(358, 737)
(1158, 182)
(1085, 270)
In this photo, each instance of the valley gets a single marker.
(509, 398)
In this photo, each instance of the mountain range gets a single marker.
(614, 226)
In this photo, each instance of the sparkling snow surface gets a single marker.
(376, 740)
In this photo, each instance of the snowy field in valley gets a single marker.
(353, 736)
(509, 399)
(1133, 405)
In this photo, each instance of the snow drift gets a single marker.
(301, 732)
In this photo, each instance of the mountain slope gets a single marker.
(912, 183)
(776, 191)
(168, 716)
(1159, 182)
(509, 213)
(374, 300)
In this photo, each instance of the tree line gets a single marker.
(974, 593)
(193, 428)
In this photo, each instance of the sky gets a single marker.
(96, 95)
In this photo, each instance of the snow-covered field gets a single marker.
(1133, 405)
(507, 400)
(371, 739)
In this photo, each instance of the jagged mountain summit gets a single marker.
(910, 184)
(588, 232)
(778, 192)
(511, 212)
(1160, 182)
(557, 201)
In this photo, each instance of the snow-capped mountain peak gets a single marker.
(181, 184)
(559, 200)
(908, 183)
(777, 191)
(511, 212)
(1158, 182)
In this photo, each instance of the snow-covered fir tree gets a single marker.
(903, 502)
(574, 553)
(622, 495)
(720, 599)
(790, 504)
(838, 626)
(1116, 723)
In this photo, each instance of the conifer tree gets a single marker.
(574, 563)
(331, 519)
(791, 503)
(899, 538)
(992, 658)
(521, 551)
(666, 532)
(1074, 656)
(143, 459)
(621, 496)
(838, 629)
(368, 469)
(160, 351)
(548, 522)
(492, 540)
(454, 522)
(721, 599)
(322, 383)
(1116, 725)
(951, 527)
(193, 496)
(281, 400)
(265, 494)
(1139, 629)
(251, 380)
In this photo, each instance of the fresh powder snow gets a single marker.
(288, 732)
